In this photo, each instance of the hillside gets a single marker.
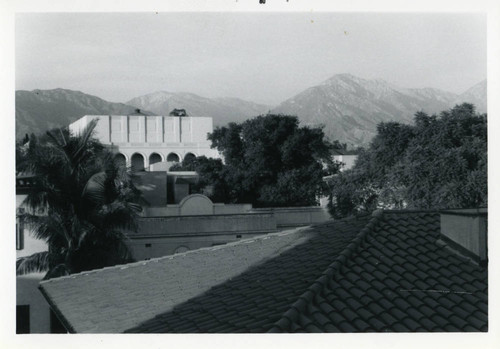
(347, 106)
(350, 107)
(222, 110)
(40, 110)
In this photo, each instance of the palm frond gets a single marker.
(57, 271)
(83, 139)
(55, 140)
(95, 188)
(81, 205)
(34, 263)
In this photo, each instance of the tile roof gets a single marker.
(394, 276)
(366, 274)
(118, 298)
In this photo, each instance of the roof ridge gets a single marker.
(293, 312)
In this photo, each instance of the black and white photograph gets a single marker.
(251, 172)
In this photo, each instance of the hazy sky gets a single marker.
(262, 57)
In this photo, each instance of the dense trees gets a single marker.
(268, 161)
(439, 162)
(79, 204)
(212, 175)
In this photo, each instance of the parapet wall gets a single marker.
(140, 129)
(196, 222)
(176, 210)
(204, 224)
(161, 236)
(296, 216)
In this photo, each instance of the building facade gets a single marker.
(141, 140)
(33, 314)
(346, 157)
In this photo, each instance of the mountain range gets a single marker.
(222, 110)
(41, 110)
(347, 106)
(350, 107)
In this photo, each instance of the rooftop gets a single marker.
(387, 272)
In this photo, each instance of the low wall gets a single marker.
(204, 224)
(153, 247)
(167, 230)
(161, 236)
(175, 210)
(296, 216)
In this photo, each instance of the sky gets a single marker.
(261, 57)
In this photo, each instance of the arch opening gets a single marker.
(120, 160)
(137, 162)
(172, 157)
(154, 158)
(189, 157)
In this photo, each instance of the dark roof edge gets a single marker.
(56, 310)
(292, 314)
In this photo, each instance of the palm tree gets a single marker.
(80, 204)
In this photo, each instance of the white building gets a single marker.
(346, 157)
(145, 140)
(33, 314)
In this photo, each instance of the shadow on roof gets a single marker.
(254, 300)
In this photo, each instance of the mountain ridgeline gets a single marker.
(348, 107)
(222, 110)
(40, 110)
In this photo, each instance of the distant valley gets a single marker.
(348, 107)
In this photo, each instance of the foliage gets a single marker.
(268, 161)
(439, 162)
(79, 204)
(211, 176)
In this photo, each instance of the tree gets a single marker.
(211, 174)
(79, 205)
(439, 162)
(271, 161)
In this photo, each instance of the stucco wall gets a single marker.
(27, 292)
(150, 247)
(162, 236)
(147, 129)
(296, 216)
(348, 160)
(175, 210)
(194, 225)
(467, 228)
(146, 135)
(102, 131)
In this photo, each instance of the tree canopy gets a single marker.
(268, 161)
(438, 162)
(79, 204)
